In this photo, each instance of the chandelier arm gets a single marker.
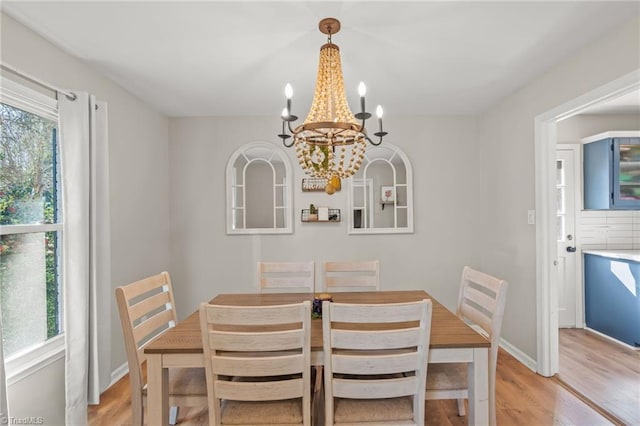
(288, 145)
(380, 135)
(290, 129)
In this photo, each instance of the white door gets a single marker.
(566, 227)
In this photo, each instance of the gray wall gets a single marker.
(205, 261)
(507, 175)
(138, 155)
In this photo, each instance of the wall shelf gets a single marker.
(334, 216)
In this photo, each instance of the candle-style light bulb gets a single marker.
(379, 113)
(288, 92)
(362, 90)
(285, 113)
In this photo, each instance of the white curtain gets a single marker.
(4, 406)
(87, 253)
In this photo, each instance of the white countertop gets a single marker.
(617, 254)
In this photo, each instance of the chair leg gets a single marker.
(173, 415)
(461, 409)
(137, 410)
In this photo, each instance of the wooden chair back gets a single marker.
(286, 276)
(146, 309)
(266, 350)
(352, 276)
(481, 301)
(375, 352)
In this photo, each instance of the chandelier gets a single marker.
(331, 141)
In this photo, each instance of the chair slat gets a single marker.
(365, 364)
(258, 367)
(381, 388)
(285, 282)
(476, 316)
(145, 306)
(278, 276)
(152, 324)
(264, 341)
(355, 281)
(140, 287)
(485, 301)
(385, 339)
(351, 276)
(266, 315)
(259, 391)
(382, 313)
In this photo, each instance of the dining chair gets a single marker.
(286, 277)
(147, 310)
(375, 362)
(258, 363)
(481, 302)
(352, 276)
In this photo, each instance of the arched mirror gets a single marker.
(381, 193)
(259, 190)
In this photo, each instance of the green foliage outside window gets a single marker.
(28, 194)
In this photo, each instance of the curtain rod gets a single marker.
(70, 95)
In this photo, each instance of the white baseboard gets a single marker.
(525, 359)
(119, 373)
(611, 339)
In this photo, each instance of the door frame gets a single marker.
(576, 149)
(546, 249)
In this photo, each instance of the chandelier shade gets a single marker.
(331, 142)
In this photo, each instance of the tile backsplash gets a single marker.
(610, 229)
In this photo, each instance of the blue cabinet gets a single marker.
(612, 297)
(612, 174)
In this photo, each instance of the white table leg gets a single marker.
(157, 391)
(478, 376)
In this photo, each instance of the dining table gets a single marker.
(451, 340)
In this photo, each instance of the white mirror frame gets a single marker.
(409, 186)
(286, 196)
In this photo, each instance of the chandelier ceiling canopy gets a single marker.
(331, 141)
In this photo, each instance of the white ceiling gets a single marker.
(234, 58)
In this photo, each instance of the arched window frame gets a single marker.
(369, 160)
(270, 151)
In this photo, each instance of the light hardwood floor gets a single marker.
(523, 398)
(604, 372)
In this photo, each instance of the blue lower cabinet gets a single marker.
(612, 297)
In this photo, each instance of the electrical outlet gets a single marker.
(531, 217)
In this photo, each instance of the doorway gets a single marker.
(560, 316)
(546, 214)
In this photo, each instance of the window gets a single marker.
(30, 219)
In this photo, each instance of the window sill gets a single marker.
(27, 362)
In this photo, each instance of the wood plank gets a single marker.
(604, 372)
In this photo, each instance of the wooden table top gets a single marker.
(447, 330)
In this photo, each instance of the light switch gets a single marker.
(531, 217)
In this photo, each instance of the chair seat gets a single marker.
(447, 376)
(390, 411)
(285, 412)
(186, 382)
